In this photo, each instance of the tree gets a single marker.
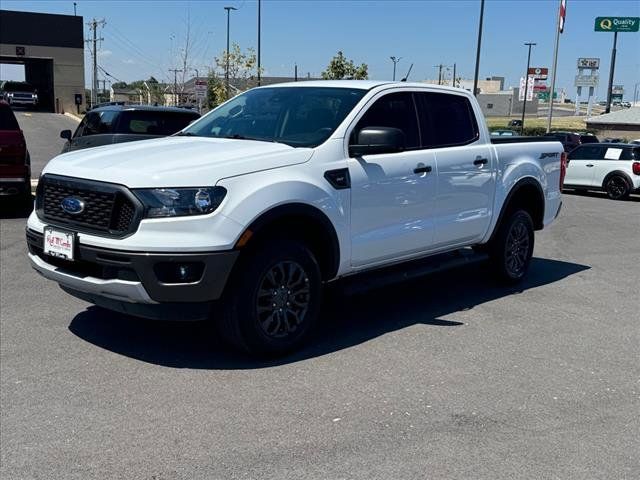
(242, 68)
(119, 85)
(340, 68)
(216, 91)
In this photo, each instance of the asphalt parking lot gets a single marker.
(446, 377)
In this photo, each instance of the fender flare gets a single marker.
(619, 173)
(507, 201)
(300, 210)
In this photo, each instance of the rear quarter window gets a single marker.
(8, 119)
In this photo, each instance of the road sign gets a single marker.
(586, 81)
(617, 24)
(201, 88)
(592, 63)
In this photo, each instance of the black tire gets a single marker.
(617, 187)
(512, 248)
(274, 298)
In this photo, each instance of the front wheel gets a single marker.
(512, 248)
(274, 299)
(617, 188)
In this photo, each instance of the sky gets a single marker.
(144, 38)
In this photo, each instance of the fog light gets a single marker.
(186, 272)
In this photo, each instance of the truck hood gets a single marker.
(175, 161)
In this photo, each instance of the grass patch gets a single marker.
(558, 123)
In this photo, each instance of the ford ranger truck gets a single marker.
(245, 215)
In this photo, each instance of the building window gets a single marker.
(489, 105)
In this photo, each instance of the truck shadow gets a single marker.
(346, 321)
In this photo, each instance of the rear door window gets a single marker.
(587, 152)
(7, 119)
(154, 123)
(446, 120)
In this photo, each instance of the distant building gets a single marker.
(125, 95)
(621, 124)
(485, 86)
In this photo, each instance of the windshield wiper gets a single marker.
(237, 136)
(185, 134)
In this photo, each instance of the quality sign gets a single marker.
(617, 24)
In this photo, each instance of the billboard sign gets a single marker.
(617, 24)
(592, 63)
(617, 89)
(586, 81)
(539, 73)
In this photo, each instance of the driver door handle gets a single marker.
(589, 165)
(480, 161)
(422, 168)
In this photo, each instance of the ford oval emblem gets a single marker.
(72, 205)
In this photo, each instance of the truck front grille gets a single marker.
(109, 209)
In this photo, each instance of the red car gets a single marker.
(15, 165)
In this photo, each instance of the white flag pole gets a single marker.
(555, 63)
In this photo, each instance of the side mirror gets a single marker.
(66, 134)
(374, 140)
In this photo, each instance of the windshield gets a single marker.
(17, 87)
(296, 116)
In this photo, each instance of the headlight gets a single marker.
(34, 96)
(10, 94)
(178, 202)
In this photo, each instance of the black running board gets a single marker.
(409, 270)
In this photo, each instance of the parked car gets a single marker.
(15, 164)
(19, 94)
(614, 140)
(588, 138)
(126, 123)
(514, 123)
(635, 142)
(569, 140)
(613, 168)
(257, 205)
(503, 133)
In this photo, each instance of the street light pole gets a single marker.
(226, 73)
(259, 73)
(197, 96)
(526, 85)
(611, 70)
(475, 77)
(395, 61)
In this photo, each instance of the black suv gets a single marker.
(126, 123)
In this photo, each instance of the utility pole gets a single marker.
(526, 85)
(93, 25)
(226, 73)
(395, 61)
(175, 84)
(559, 28)
(295, 72)
(475, 77)
(439, 67)
(259, 72)
(453, 82)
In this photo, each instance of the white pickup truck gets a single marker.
(247, 213)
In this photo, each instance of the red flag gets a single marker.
(563, 13)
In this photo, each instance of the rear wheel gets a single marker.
(617, 187)
(512, 248)
(273, 300)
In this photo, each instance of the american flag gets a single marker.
(563, 13)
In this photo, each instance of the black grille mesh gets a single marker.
(104, 211)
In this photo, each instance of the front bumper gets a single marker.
(104, 276)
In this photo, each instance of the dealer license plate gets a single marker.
(58, 243)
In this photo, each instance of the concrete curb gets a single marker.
(74, 116)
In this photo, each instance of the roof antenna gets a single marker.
(407, 75)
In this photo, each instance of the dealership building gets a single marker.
(51, 48)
